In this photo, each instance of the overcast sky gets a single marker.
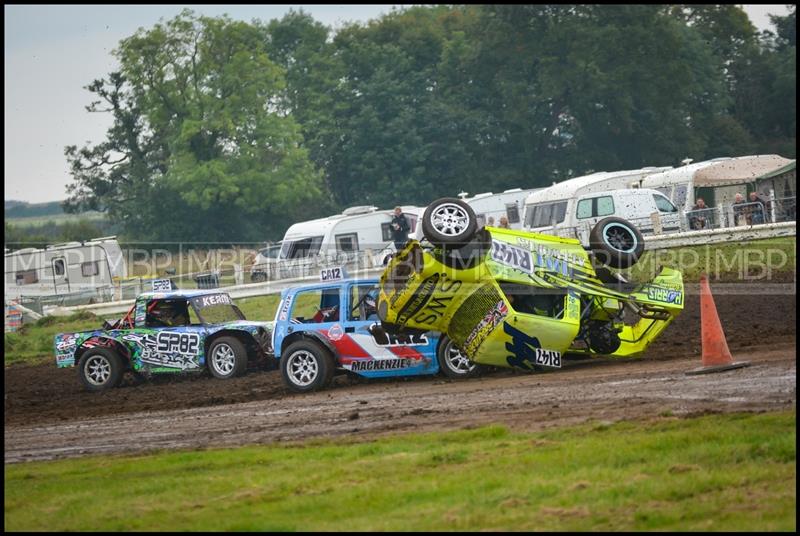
(52, 52)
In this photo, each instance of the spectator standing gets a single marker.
(399, 226)
(740, 213)
(504, 223)
(698, 218)
(759, 212)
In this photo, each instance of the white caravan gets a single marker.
(361, 234)
(66, 268)
(554, 207)
(510, 203)
(724, 176)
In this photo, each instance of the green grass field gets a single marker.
(755, 261)
(713, 473)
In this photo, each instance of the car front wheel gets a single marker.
(453, 362)
(227, 357)
(306, 366)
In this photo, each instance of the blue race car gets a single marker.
(173, 331)
(333, 327)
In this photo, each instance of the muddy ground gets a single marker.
(49, 415)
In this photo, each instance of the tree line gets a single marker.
(226, 130)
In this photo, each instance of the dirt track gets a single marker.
(48, 415)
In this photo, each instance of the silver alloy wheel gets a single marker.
(456, 360)
(223, 359)
(97, 370)
(302, 368)
(450, 219)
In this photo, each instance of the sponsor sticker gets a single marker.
(382, 338)
(287, 304)
(215, 299)
(512, 256)
(485, 326)
(335, 332)
(381, 364)
(665, 295)
(418, 299)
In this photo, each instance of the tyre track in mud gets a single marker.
(605, 391)
(48, 415)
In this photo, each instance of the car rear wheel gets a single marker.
(100, 369)
(306, 366)
(449, 222)
(616, 242)
(453, 362)
(227, 357)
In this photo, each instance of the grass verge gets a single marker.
(719, 472)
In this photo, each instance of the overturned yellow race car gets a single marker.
(517, 299)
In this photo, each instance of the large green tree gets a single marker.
(201, 147)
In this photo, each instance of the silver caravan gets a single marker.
(61, 269)
(358, 236)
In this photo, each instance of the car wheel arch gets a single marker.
(305, 335)
(244, 337)
(119, 347)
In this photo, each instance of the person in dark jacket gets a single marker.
(399, 226)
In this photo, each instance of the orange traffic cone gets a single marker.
(716, 355)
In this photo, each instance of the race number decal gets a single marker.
(527, 351)
(177, 343)
(332, 274)
(162, 285)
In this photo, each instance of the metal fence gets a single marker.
(729, 215)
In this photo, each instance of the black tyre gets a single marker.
(100, 369)
(453, 362)
(226, 358)
(449, 222)
(616, 242)
(603, 339)
(258, 277)
(306, 366)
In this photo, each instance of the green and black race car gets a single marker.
(168, 332)
(518, 299)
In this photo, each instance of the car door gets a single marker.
(366, 348)
(172, 338)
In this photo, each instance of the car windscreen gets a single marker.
(216, 309)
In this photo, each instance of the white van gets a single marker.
(64, 268)
(359, 234)
(549, 206)
(649, 210)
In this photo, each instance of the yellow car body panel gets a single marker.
(420, 291)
